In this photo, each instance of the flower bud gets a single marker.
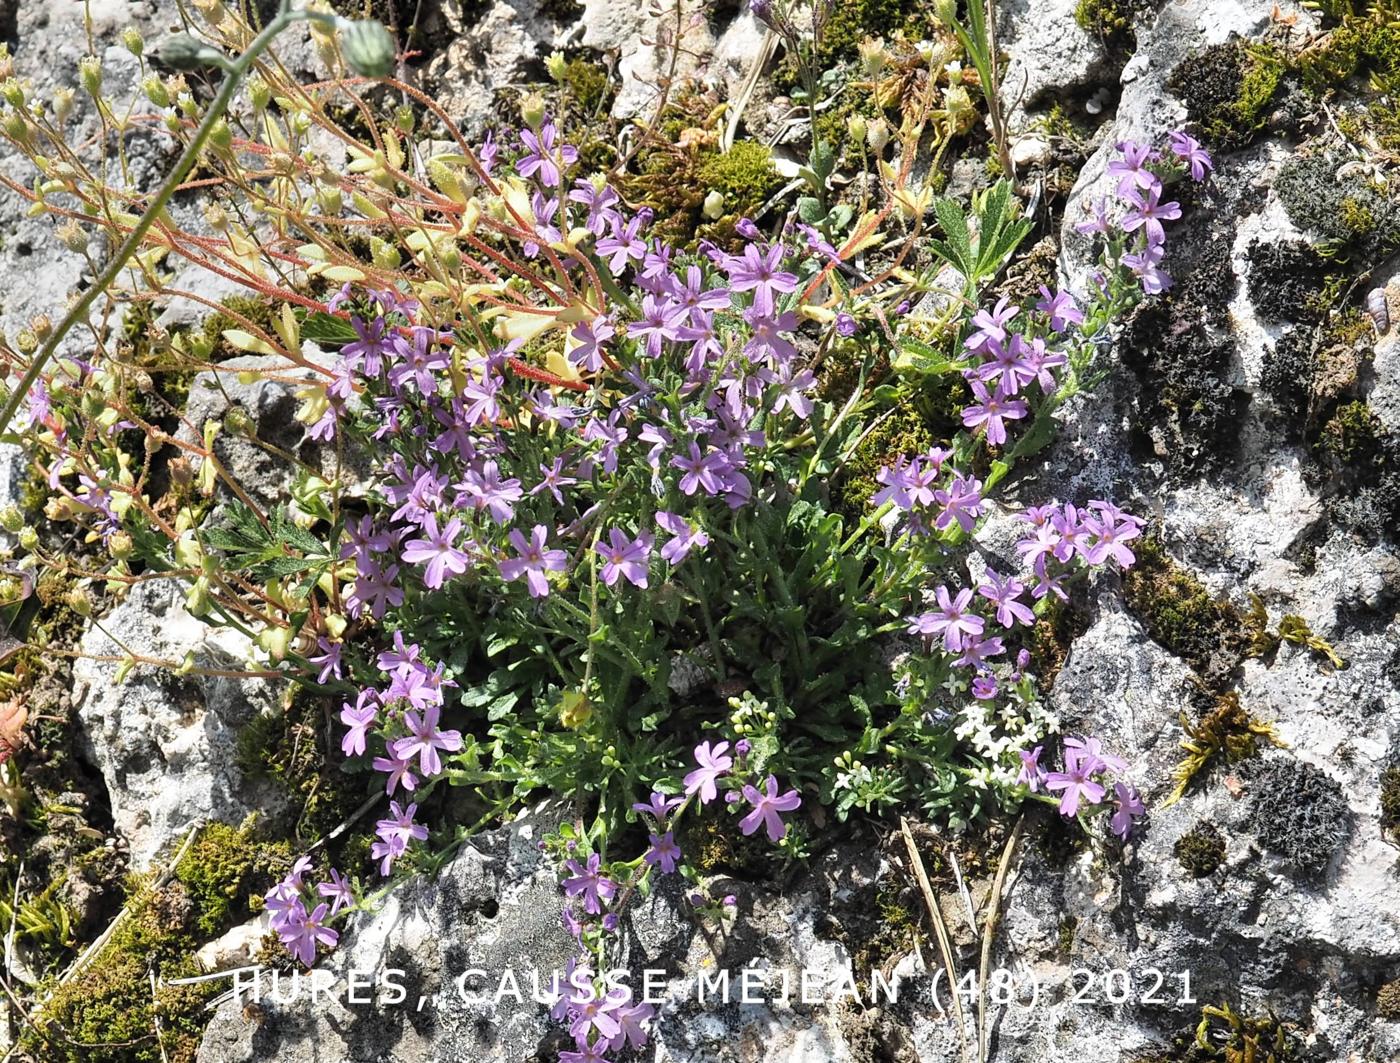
(71, 235)
(857, 128)
(11, 519)
(215, 217)
(42, 326)
(556, 66)
(368, 48)
(188, 552)
(713, 207)
(181, 51)
(878, 135)
(259, 94)
(90, 75)
(12, 92)
(403, 118)
(121, 545)
(329, 199)
(15, 126)
(132, 42)
(63, 104)
(221, 136)
(532, 110)
(873, 57)
(79, 601)
(945, 11)
(155, 90)
(28, 537)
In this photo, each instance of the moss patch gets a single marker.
(108, 1013)
(1388, 1000)
(1201, 849)
(1229, 88)
(1338, 205)
(1390, 797)
(1182, 615)
(1287, 281)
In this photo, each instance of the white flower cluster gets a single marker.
(1000, 736)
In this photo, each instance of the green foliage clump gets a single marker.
(1109, 20)
(1201, 849)
(1226, 1035)
(108, 1013)
(209, 341)
(744, 175)
(1225, 731)
(290, 749)
(1362, 44)
(1182, 615)
(852, 21)
(1229, 88)
(1301, 813)
(588, 85)
(674, 180)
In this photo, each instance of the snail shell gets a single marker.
(1378, 310)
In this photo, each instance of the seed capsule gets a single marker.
(1378, 310)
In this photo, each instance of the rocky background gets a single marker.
(1253, 414)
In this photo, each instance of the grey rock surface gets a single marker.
(166, 744)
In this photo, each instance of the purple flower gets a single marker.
(337, 890)
(1129, 807)
(443, 559)
(302, 933)
(685, 537)
(595, 888)
(664, 852)
(1099, 222)
(984, 687)
(846, 325)
(757, 270)
(630, 1020)
(766, 806)
(701, 470)
(534, 561)
(1060, 308)
(1111, 529)
(1189, 151)
(976, 650)
(625, 557)
(623, 245)
(1144, 265)
(989, 326)
(1031, 774)
(543, 157)
(425, 739)
(1074, 785)
(659, 806)
(583, 1052)
(661, 320)
(712, 764)
(397, 768)
(328, 659)
(591, 335)
(992, 412)
(1090, 751)
(962, 501)
(1148, 214)
(1003, 592)
(358, 718)
(1131, 170)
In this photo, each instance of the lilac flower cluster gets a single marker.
(604, 1018)
(1063, 536)
(299, 918)
(1137, 239)
(1082, 783)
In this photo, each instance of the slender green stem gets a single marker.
(236, 71)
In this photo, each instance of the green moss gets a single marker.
(1227, 1035)
(1181, 614)
(290, 750)
(905, 431)
(1201, 849)
(1368, 45)
(744, 175)
(1390, 797)
(588, 84)
(1225, 731)
(1353, 434)
(1109, 20)
(1338, 205)
(209, 341)
(226, 872)
(108, 1013)
(1065, 939)
(852, 21)
(1229, 89)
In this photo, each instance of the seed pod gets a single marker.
(1378, 310)
(184, 52)
(368, 48)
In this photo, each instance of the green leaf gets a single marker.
(809, 210)
(321, 327)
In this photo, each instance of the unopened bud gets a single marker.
(42, 326)
(26, 341)
(71, 235)
(121, 545)
(945, 11)
(368, 48)
(215, 217)
(63, 103)
(80, 601)
(28, 537)
(857, 128)
(221, 136)
(90, 74)
(403, 118)
(878, 135)
(197, 597)
(556, 66)
(155, 90)
(532, 110)
(132, 42)
(12, 92)
(181, 51)
(713, 207)
(259, 94)
(11, 519)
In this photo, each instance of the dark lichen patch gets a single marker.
(1301, 814)
(1287, 280)
(1333, 199)
(1390, 796)
(1229, 89)
(1201, 849)
(1178, 612)
(1180, 348)
(1312, 368)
